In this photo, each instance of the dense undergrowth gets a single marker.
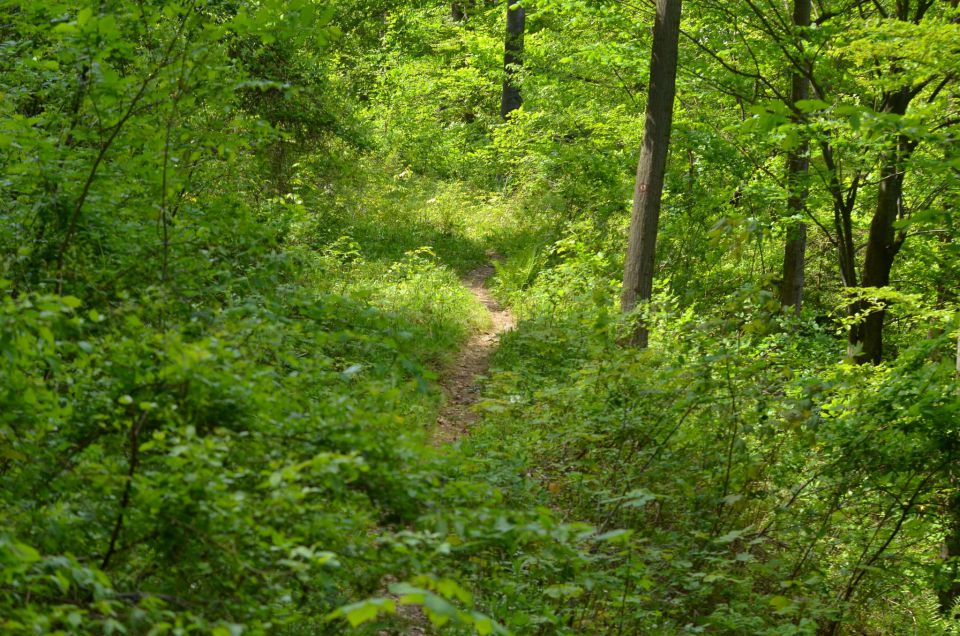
(747, 489)
(231, 242)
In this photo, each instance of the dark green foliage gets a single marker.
(753, 490)
(230, 240)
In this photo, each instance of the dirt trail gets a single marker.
(460, 380)
(460, 384)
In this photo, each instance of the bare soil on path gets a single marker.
(460, 380)
(461, 388)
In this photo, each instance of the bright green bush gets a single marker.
(754, 484)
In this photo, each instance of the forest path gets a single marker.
(460, 379)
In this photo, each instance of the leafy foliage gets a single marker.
(231, 236)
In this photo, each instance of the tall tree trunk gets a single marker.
(948, 580)
(882, 242)
(798, 164)
(510, 100)
(949, 588)
(882, 247)
(638, 269)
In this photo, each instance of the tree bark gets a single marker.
(798, 164)
(882, 241)
(510, 99)
(645, 217)
(460, 10)
(949, 590)
(949, 579)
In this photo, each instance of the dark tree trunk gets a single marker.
(949, 587)
(949, 590)
(798, 164)
(883, 242)
(510, 100)
(638, 269)
(458, 11)
(882, 247)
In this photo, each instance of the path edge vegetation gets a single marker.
(231, 242)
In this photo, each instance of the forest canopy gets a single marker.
(535, 317)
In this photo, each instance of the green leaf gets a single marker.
(781, 603)
(811, 105)
(26, 553)
(616, 536)
(564, 590)
(730, 537)
(358, 613)
(483, 625)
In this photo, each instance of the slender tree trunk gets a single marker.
(948, 585)
(949, 589)
(638, 269)
(510, 100)
(798, 164)
(958, 354)
(460, 10)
